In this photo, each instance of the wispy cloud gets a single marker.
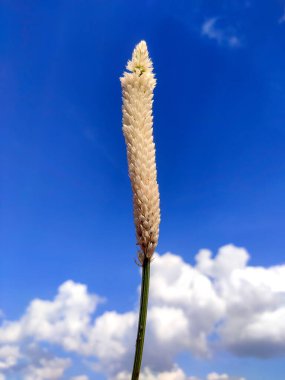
(282, 18)
(218, 295)
(223, 36)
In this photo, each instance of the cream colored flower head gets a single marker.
(138, 86)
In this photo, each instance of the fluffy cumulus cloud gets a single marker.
(64, 321)
(219, 303)
(47, 369)
(224, 376)
(224, 35)
(175, 374)
(9, 356)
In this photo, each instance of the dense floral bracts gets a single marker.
(138, 86)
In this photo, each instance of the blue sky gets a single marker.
(219, 116)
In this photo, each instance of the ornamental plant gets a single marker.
(137, 86)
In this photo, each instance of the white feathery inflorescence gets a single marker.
(138, 86)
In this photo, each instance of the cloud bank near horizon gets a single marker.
(205, 305)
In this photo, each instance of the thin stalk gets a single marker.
(142, 319)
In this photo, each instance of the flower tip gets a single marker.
(140, 61)
(141, 45)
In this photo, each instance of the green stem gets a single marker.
(142, 319)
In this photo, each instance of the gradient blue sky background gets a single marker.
(219, 119)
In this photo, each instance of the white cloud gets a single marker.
(225, 36)
(64, 321)
(31, 362)
(81, 377)
(9, 356)
(220, 295)
(175, 373)
(224, 376)
(180, 294)
(229, 259)
(47, 369)
(111, 339)
(255, 306)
